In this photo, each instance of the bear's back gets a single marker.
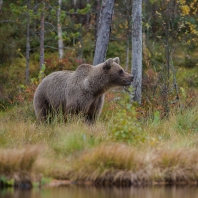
(54, 84)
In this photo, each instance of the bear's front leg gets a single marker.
(95, 109)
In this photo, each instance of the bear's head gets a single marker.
(116, 74)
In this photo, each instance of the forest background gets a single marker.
(30, 36)
(169, 43)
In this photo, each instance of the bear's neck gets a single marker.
(97, 86)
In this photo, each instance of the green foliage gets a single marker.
(114, 49)
(42, 71)
(45, 180)
(5, 182)
(69, 143)
(9, 49)
(187, 78)
(156, 118)
(16, 113)
(53, 12)
(187, 122)
(124, 125)
(72, 10)
(191, 62)
(84, 10)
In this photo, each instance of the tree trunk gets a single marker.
(88, 17)
(42, 35)
(1, 3)
(74, 3)
(137, 50)
(60, 38)
(27, 46)
(80, 48)
(128, 32)
(127, 55)
(104, 30)
(97, 16)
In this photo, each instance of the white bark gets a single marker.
(127, 55)
(42, 36)
(60, 38)
(104, 29)
(137, 50)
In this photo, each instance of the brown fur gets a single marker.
(80, 91)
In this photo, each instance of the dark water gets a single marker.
(92, 192)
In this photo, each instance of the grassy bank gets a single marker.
(160, 151)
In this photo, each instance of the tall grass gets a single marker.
(168, 153)
(14, 160)
(57, 142)
(118, 163)
(165, 151)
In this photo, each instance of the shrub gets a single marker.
(125, 125)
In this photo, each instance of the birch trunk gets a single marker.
(104, 29)
(137, 50)
(127, 55)
(74, 2)
(42, 35)
(27, 71)
(60, 38)
(97, 16)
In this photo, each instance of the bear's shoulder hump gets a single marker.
(84, 68)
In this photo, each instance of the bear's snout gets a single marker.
(130, 78)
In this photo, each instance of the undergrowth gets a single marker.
(124, 124)
(123, 146)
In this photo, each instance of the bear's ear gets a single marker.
(107, 64)
(117, 60)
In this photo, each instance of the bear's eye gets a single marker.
(121, 72)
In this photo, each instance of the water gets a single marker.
(93, 192)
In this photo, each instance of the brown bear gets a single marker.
(79, 91)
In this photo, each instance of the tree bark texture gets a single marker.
(42, 29)
(97, 16)
(127, 54)
(137, 50)
(60, 38)
(104, 29)
(27, 70)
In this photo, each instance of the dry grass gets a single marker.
(58, 143)
(169, 154)
(17, 165)
(15, 160)
(120, 163)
